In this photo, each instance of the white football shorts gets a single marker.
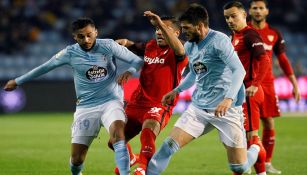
(88, 121)
(198, 122)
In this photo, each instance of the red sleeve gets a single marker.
(261, 60)
(263, 64)
(284, 63)
(254, 42)
(279, 46)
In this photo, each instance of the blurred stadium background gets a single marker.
(36, 141)
(32, 31)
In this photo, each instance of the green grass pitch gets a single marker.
(39, 144)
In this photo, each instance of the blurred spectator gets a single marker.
(23, 22)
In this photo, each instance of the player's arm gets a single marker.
(279, 50)
(227, 53)
(59, 59)
(136, 47)
(128, 57)
(186, 83)
(258, 54)
(171, 39)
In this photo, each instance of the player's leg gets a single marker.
(270, 109)
(114, 120)
(84, 129)
(78, 153)
(160, 160)
(155, 119)
(187, 127)
(132, 128)
(252, 124)
(232, 134)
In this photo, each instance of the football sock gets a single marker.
(148, 146)
(160, 159)
(268, 140)
(252, 154)
(260, 163)
(75, 170)
(122, 157)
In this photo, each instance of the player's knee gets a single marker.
(153, 125)
(239, 168)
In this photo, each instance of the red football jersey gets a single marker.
(273, 42)
(160, 74)
(249, 47)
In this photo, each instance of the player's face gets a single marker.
(159, 36)
(258, 11)
(191, 32)
(86, 37)
(235, 18)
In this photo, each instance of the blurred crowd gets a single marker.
(23, 22)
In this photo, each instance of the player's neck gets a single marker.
(203, 33)
(258, 25)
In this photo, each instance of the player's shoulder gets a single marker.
(249, 31)
(106, 42)
(274, 29)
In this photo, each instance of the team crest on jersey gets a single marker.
(271, 37)
(199, 67)
(96, 73)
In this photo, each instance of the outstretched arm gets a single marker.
(59, 59)
(169, 36)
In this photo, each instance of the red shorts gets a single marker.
(251, 109)
(270, 106)
(137, 115)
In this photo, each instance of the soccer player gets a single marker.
(249, 47)
(99, 96)
(217, 99)
(273, 42)
(164, 62)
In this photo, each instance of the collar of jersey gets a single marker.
(205, 40)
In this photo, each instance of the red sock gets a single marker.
(260, 163)
(131, 155)
(148, 146)
(268, 140)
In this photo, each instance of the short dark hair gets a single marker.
(194, 14)
(264, 1)
(231, 4)
(172, 19)
(81, 23)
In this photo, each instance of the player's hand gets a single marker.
(296, 94)
(124, 42)
(123, 78)
(251, 91)
(168, 98)
(10, 85)
(155, 20)
(222, 108)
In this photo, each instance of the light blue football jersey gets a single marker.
(216, 69)
(94, 71)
